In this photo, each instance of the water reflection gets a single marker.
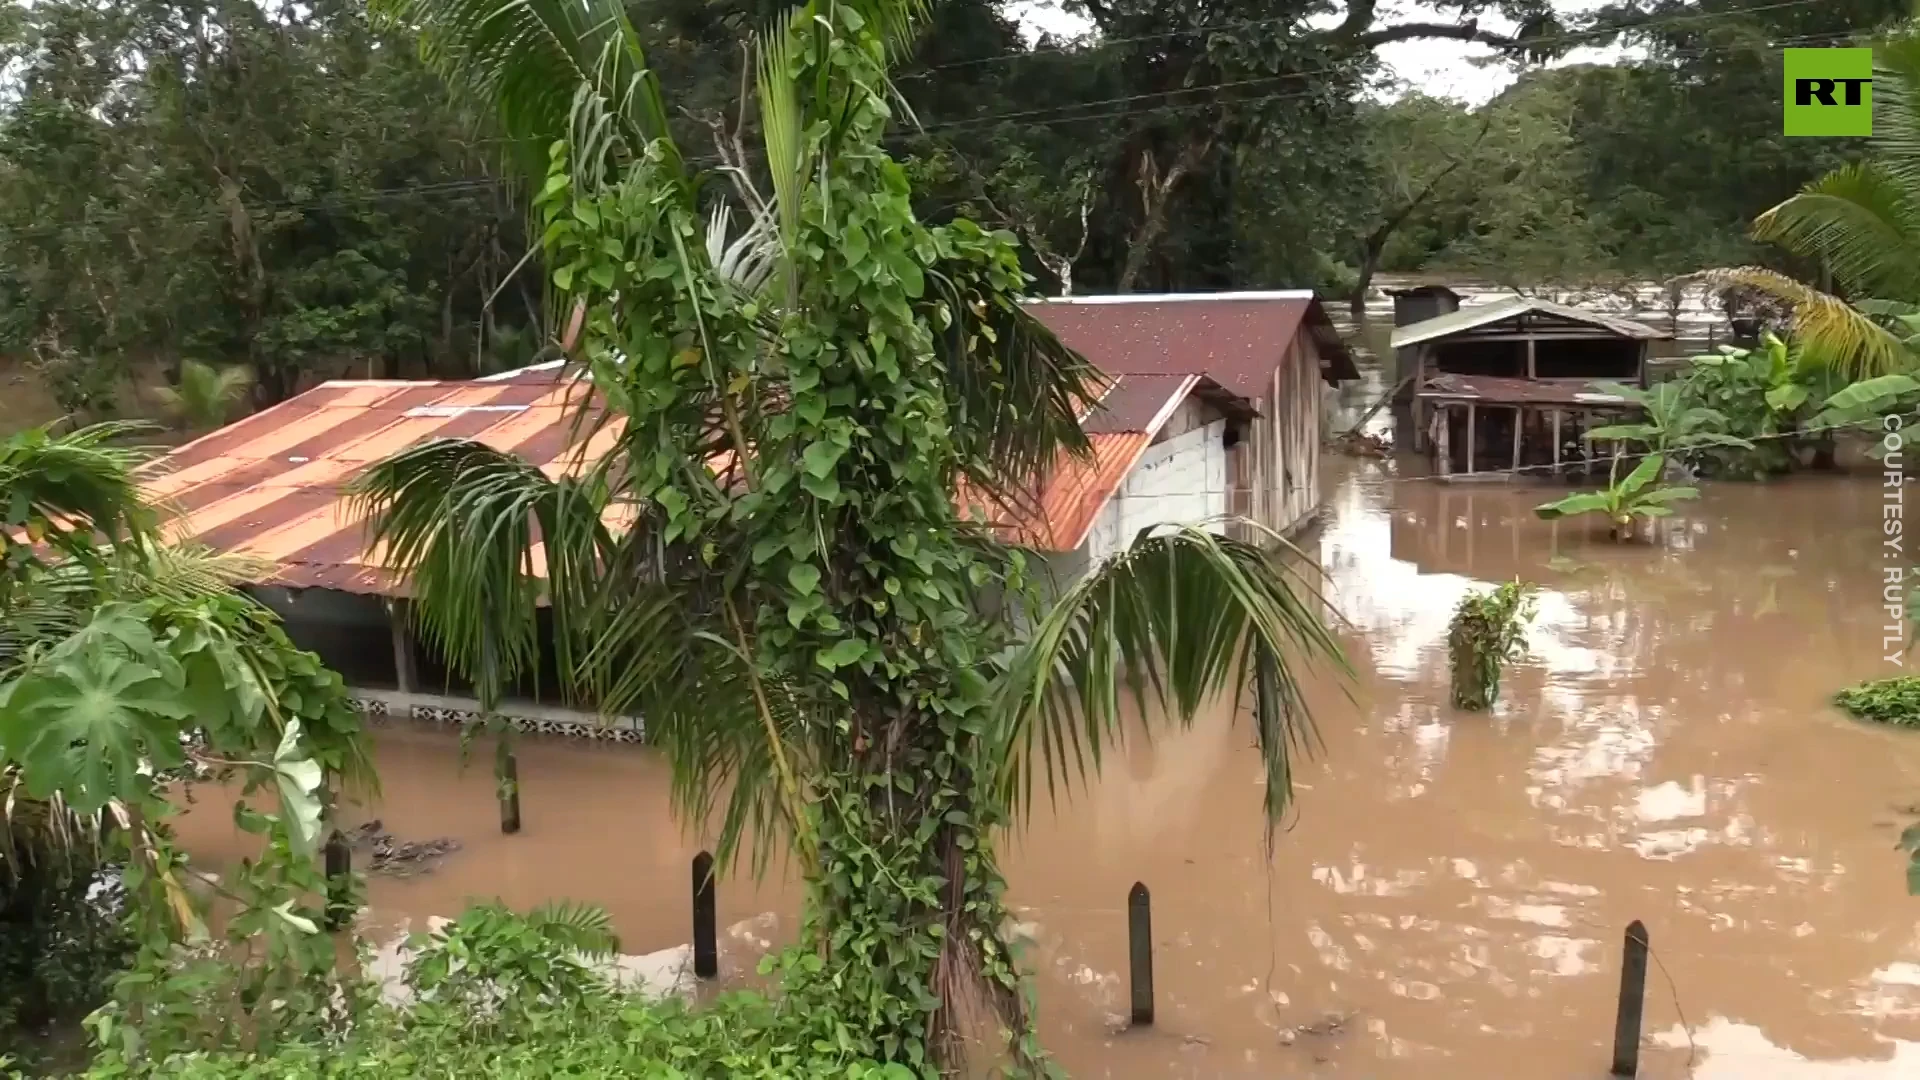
(1450, 899)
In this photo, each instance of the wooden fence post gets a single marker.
(706, 947)
(1633, 1000)
(507, 776)
(1140, 952)
(339, 871)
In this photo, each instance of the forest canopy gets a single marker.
(285, 190)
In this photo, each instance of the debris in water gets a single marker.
(1360, 444)
(393, 857)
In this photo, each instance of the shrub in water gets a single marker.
(1886, 701)
(1489, 628)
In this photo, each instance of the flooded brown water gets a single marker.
(1450, 898)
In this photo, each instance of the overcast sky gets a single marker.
(1440, 68)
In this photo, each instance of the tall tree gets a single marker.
(769, 563)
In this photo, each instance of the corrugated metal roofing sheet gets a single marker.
(273, 486)
(1469, 318)
(1501, 390)
(1137, 403)
(1236, 339)
(1077, 491)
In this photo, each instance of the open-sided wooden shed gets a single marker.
(1508, 386)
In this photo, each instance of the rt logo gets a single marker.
(1829, 92)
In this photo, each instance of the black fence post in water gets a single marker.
(1140, 952)
(509, 781)
(339, 869)
(1633, 1000)
(706, 947)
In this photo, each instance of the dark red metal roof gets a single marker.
(1236, 339)
(1502, 390)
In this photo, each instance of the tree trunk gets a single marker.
(1156, 191)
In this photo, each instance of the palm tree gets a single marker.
(767, 562)
(205, 396)
(1861, 222)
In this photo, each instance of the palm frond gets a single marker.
(1896, 108)
(1016, 392)
(735, 742)
(1833, 334)
(586, 929)
(205, 394)
(1861, 222)
(1178, 617)
(552, 69)
(72, 491)
(458, 519)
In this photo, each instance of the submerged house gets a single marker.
(1507, 386)
(1274, 350)
(1208, 401)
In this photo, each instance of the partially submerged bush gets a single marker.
(1489, 628)
(1886, 701)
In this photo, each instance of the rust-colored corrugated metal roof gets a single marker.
(1235, 338)
(1503, 390)
(273, 486)
(1072, 498)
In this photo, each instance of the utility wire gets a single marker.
(1238, 24)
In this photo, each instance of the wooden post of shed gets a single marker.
(1556, 442)
(1519, 423)
(1532, 371)
(1471, 439)
(1444, 443)
(404, 668)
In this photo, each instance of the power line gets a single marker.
(984, 121)
(1204, 28)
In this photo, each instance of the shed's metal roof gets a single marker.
(1471, 318)
(1501, 390)
(1237, 339)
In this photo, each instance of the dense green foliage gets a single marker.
(286, 190)
(1858, 223)
(125, 665)
(1886, 701)
(514, 997)
(1489, 629)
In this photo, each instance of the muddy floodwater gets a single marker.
(1449, 899)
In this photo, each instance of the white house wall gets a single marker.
(1180, 481)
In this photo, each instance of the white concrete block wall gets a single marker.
(1180, 481)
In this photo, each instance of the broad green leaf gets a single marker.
(298, 922)
(804, 577)
(1786, 397)
(1586, 502)
(844, 652)
(297, 779)
(1643, 474)
(1868, 395)
(84, 721)
(820, 458)
(1624, 432)
(1667, 495)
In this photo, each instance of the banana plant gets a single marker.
(1672, 423)
(1625, 501)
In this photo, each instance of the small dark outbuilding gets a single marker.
(1508, 386)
